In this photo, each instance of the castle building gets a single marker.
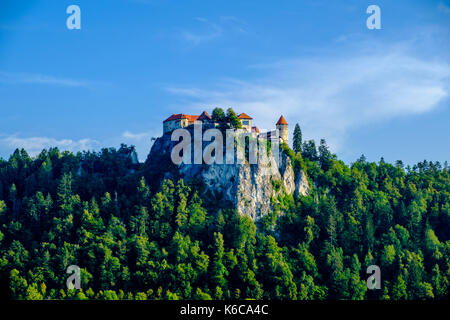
(181, 120)
(255, 130)
(246, 121)
(282, 127)
(205, 118)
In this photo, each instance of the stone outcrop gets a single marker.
(249, 187)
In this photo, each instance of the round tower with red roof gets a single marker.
(282, 127)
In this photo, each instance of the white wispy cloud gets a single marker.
(330, 96)
(141, 140)
(34, 78)
(34, 145)
(208, 32)
(138, 136)
(235, 24)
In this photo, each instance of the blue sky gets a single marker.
(135, 62)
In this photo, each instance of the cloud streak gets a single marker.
(34, 145)
(211, 32)
(142, 141)
(33, 78)
(135, 136)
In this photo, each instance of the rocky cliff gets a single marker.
(249, 187)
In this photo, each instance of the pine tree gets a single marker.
(399, 290)
(324, 155)
(65, 194)
(2, 206)
(309, 150)
(297, 144)
(219, 272)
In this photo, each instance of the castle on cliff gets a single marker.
(180, 120)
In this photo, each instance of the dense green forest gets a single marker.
(138, 238)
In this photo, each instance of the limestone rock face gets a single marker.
(249, 187)
(301, 184)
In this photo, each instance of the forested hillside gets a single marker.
(134, 238)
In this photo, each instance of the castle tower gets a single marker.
(282, 126)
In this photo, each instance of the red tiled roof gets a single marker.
(204, 116)
(255, 129)
(191, 118)
(177, 116)
(180, 116)
(244, 116)
(282, 121)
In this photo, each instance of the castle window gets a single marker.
(245, 122)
